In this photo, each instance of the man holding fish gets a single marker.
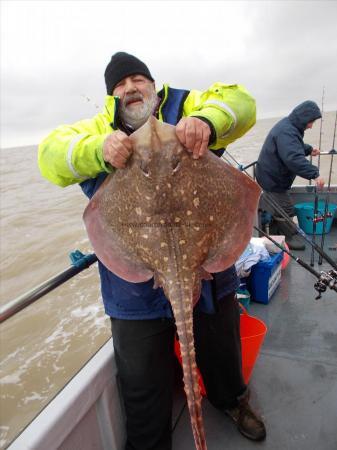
(143, 326)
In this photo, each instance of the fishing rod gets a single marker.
(312, 260)
(314, 222)
(271, 202)
(79, 263)
(325, 279)
(327, 198)
(298, 230)
(320, 131)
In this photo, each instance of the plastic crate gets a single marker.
(265, 278)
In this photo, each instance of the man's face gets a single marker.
(138, 99)
(309, 125)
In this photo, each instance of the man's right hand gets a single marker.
(117, 149)
(319, 181)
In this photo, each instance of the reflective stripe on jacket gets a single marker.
(73, 153)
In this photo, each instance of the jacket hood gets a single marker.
(304, 113)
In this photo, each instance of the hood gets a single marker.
(304, 113)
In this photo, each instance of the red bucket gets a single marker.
(286, 258)
(252, 331)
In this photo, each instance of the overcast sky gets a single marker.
(53, 54)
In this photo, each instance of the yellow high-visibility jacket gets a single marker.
(73, 153)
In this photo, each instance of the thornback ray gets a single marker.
(177, 219)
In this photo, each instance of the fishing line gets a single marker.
(320, 131)
(314, 221)
(315, 218)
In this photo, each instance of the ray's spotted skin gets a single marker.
(177, 219)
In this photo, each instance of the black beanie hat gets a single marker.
(123, 65)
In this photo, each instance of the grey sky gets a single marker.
(53, 54)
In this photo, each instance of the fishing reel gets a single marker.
(322, 218)
(326, 280)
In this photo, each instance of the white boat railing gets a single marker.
(86, 414)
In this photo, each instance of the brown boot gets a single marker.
(247, 421)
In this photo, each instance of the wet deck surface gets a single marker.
(294, 383)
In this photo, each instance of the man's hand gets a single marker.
(117, 149)
(315, 152)
(319, 181)
(194, 134)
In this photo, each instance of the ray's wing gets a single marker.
(106, 241)
(235, 204)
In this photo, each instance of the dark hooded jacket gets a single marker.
(283, 155)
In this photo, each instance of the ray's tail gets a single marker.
(182, 305)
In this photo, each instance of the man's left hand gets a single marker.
(315, 152)
(194, 134)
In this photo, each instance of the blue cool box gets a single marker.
(264, 278)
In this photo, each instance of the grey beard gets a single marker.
(136, 117)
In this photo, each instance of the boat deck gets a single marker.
(294, 382)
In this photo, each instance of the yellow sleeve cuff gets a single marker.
(221, 121)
